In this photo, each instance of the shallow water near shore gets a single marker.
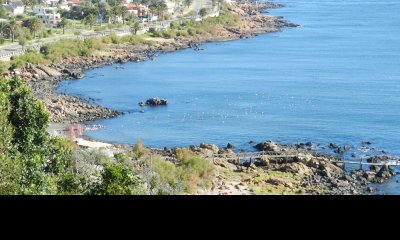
(335, 79)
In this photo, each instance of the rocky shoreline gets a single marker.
(44, 79)
(284, 169)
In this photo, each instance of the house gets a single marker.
(15, 7)
(170, 6)
(50, 2)
(48, 15)
(73, 2)
(64, 6)
(137, 9)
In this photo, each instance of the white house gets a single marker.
(15, 7)
(51, 2)
(48, 15)
(170, 6)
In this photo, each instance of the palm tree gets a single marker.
(124, 12)
(22, 41)
(135, 26)
(3, 28)
(109, 15)
(161, 8)
(34, 24)
(13, 27)
(116, 11)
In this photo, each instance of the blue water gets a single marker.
(335, 79)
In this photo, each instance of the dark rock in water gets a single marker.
(309, 144)
(353, 155)
(142, 111)
(384, 158)
(366, 143)
(156, 102)
(332, 146)
(252, 142)
(73, 74)
(267, 146)
(374, 168)
(370, 189)
(229, 146)
(343, 149)
(385, 172)
(142, 104)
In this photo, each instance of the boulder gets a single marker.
(156, 102)
(49, 71)
(332, 146)
(385, 172)
(343, 149)
(212, 147)
(383, 158)
(264, 161)
(267, 146)
(298, 168)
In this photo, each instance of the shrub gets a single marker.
(174, 25)
(191, 31)
(117, 179)
(67, 48)
(138, 150)
(122, 158)
(68, 184)
(4, 66)
(2, 40)
(182, 33)
(197, 172)
(94, 43)
(31, 56)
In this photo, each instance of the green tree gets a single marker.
(24, 138)
(124, 13)
(30, 2)
(115, 12)
(188, 2)
(161, 8)
(90, 20)
(13, 28)
(3, 28)
(22, 41)
(64, 23)
(34, 24)
(3, 13)
(203, 12)
(135, 26)
(30, 119)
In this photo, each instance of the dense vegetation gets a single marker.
(33, 162)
